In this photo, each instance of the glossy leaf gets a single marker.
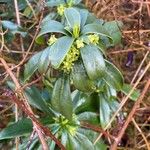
(50, 16)
(31, 66)
(114, 105)
(13, 28)
(84, 142)
(84, 14)
(61, 97)
(93, 61)
(20, 128)
(52, 3)
(92, 136)
(113, 76)
(104, 111)
(87, 103)
(50, 26)
(72, 17)
(64, 138)
(127, 88)
(113, 28)
(95, 28)
(77, 1)
(72, 143)
(35, 99)
(44, 60)
(79, 141)
(80, 79)
(111, 92)
(59, 50)
(91, 18)
(90, 117)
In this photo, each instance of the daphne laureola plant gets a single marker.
(85, 84)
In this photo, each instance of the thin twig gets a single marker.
(96, 129)
(139, 68)
(137, 127)
(124, 100)
(19, 23)
(20, 93)
(130, 116)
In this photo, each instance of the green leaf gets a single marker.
(95, 28)
(79, 141)
(31, 66)
(9, 25)
(59, 50)
(90, 117)
(84, 14)
(113, 76)
(114, 105)
(92, 136)
(20, 128)
(64, 138)
(23, 145)
(35, 99)
(50, 27)
(126, 90)
(61, 97)
(93, 61)
(52, 3)
(80, 79)
(72, 17)
(112, 28)
(13, 28)
(44, 60)
(91, 18)
(77, 1)
(87, 103)
(111, 92)
(84, 142)
(50, 16)
(72, 143)
(104, 111)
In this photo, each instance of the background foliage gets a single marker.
(75, 101)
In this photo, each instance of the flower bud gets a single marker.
(61, 9)
(79, 43)
(52, 40)
(94, 39)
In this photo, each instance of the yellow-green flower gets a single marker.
(52, 40)
(69, 60)
(94, 39)
(65, 124)
(79, 43)
(72, 129)
(61, 9)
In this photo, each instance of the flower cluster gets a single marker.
(65, 124)
(60, 9)
(79, 43)
(94, 39)
(52, 40)
(69, 60)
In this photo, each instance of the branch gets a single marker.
(130, 116)
(27, 109)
